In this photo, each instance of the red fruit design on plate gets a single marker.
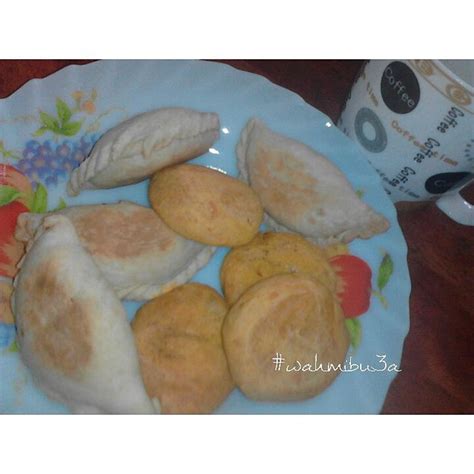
(16, 195)
(11, 250)
(354, 284)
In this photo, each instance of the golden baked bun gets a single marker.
(178, 337)
(273, 253)
(205, 205)
(293, 315)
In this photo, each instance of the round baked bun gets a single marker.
(273, 253)
(178, 337)
(206, 205)
(292, 316)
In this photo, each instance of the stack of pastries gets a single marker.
(188, 346)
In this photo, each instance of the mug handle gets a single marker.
(456, 207)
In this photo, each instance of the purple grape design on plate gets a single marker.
(51, 162)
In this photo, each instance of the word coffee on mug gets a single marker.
(415, 121)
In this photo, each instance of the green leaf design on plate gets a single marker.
(8, 195)
(63, 110)
(70, 129)
(62, 204)
(360, 193)
(383, 276)
(48, 121)
(14, 347)
(381, 298)
(6, 153)
(355, 331)
(40, 200)
(385, 271)
(40, 131)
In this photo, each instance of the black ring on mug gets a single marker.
(379, 143)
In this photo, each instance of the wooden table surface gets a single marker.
(438, 356)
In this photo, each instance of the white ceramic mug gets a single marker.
(415, 121)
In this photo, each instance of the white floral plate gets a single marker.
(47, 129)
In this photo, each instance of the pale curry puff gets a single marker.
(136, 148)
(72, 330)
(179, 342)
(136, 251)
(269, 254)
(293, 315)
(206, 205)
(301, 190)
